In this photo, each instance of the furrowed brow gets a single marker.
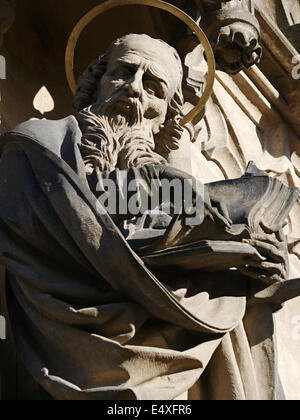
(121, 62)
(154, 75)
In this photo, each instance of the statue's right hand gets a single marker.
(217, 211)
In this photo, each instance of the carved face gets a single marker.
(142, 71)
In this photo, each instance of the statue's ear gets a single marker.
(88, 83)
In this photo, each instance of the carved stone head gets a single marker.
(138, 77)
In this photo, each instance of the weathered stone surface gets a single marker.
(246, 119)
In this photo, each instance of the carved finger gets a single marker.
(219, 218)
(267, 249)
(269, 268)
(281, 236)
(224, 211)
(257, 274)
(177, 132)
(255, 258)
(220, 210)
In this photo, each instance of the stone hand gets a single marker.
(213, 224)
(169, 137)
(217, 211)
(214, 208)
(275, 266)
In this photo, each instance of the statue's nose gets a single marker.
(134, 85)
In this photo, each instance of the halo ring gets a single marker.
(110, 4)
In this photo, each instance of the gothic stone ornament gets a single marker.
(234, 33)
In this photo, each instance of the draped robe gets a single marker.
(89, 319)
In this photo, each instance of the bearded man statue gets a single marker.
(91, 319)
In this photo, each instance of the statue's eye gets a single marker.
(122, 72)
(152, 88)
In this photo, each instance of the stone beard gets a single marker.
(129, 104)
(111, 141)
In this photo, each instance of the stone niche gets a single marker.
(252, 116)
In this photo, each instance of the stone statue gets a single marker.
(105, 304)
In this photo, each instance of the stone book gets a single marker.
(256, 203)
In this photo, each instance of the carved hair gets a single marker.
(88, 85)
(106, 144)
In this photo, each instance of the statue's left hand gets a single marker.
(273, 249)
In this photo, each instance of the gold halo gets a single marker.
(110, 4)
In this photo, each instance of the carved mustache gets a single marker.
(131, 107)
